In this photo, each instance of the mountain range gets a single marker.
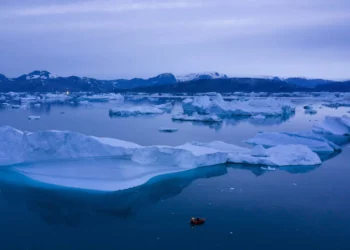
(44, 81)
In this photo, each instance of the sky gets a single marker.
(111, 39)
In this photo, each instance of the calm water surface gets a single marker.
(245, 207)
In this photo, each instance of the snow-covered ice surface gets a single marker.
(333, 126)
(316, 143)
(196, 117)
(281, 155)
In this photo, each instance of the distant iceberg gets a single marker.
(33, 117)
(102, 98)
(135, 111)
(205, 105)
(196, 117)
(316, 143)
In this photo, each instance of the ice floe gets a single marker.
(333, 126)
(280, 155)
(316, 143)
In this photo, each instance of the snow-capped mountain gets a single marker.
(38, 75)
(200, 76)
(44, 81)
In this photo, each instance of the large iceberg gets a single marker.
(333, 126)
(217, 105)
(316, 143)
(52, 147)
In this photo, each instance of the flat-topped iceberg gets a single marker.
(316, 143)
(103, 98)
(217, 105)
(196, 117)
(52, 147)
(333, 126)
(135, 111)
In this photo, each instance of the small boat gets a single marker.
(197, 221)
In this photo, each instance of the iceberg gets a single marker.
(17, 146)
(135, 111)
(333, 126)
(33, 117)
(280, 155)
(102, 98)
(205, 105)
(316, 143)
(168, 130)
(196, 117)
(49, 97)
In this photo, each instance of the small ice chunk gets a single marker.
(33, 117)
(37, 105)
(268, 168)
(259, 117)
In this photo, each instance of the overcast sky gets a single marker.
(123, 39)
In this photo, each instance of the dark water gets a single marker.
(245, 207)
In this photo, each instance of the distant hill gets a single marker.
(44, 81)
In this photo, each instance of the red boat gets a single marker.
(197, 221)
